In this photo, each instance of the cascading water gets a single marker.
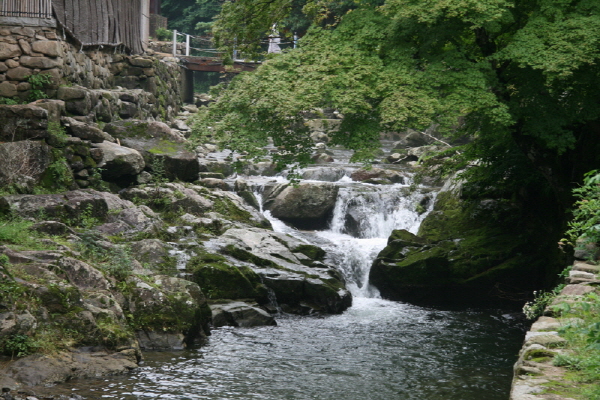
(363, 219)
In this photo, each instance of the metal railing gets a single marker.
(26, 8)
(272, 45)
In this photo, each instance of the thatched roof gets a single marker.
(102, 22)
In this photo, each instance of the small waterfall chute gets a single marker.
(364, 217)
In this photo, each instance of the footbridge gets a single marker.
(197, 54)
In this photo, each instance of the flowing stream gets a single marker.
(377, 349)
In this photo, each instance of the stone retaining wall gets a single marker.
(26, 51)
(534, 372)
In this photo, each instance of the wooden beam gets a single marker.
(214, 64)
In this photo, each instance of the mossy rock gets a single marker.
(249, 198)
(227, 208)
(467, 252)
(168, 305)
(221, 280)
(164, 147)
(315, 253)
(247, 256)
(405, 236)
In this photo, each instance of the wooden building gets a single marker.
(117, 23)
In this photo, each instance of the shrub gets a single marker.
(586, 215)
(21, 164)
(164, 34)
(18, 345)
(38, 82)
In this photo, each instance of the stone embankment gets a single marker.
(29, 51)
(535, 375)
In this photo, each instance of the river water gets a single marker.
(377, 349)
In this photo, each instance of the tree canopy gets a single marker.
(518, 76)
(191, 16)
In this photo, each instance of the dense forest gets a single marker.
(518, 77)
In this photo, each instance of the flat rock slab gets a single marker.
(46, 369)
(240, 314)
(576, 290)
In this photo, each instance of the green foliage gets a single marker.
(159, 173)
(583, 337)
(114, 260)
(244, 25)
(18, 345)
(542, 299)
(59, 174)
(164, 34)
(251, 21)
(58, 134)
(38, 83)
(16, 232)
(586, 215)
(87, 219)
(190, 16)
(8, 101)
(4, 262)
(504, 73)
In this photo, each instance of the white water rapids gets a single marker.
(363, 219)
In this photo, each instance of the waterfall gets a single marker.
(364, 217)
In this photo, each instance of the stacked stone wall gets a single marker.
(26, 51)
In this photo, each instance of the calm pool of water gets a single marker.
(377, 350)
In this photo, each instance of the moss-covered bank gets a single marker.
(471, 251)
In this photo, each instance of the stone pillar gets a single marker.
(145, 23)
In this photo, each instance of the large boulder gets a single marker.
(305, 206)
(118, 162)
(23, 122)
(468, 251)
(325, 174)
(85, 131)
(378, 175)
(168, 313)
(220, 279)
(40, 369)
(163, 149)
(289, 267)
(197, 200)
(70, 206)
(80, 207)
(66, 304)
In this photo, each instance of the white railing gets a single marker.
(26, 8)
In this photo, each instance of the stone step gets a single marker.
(584, 266)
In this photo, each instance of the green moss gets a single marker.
(89, 162)
(244, 255)
(249, 198)
(136, 129)
(164, 147)
(227, 208)
(537, 354)
(173, 315)
(220, 280)
(315, 253)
